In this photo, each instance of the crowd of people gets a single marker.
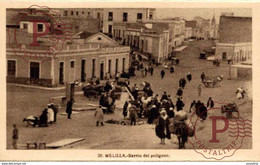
(162, 111)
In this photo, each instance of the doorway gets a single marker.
(34, 70)
(101, 71)
(61, 74)
(110, 28)
(83, 74)
(116, 68)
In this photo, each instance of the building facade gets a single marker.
(188, 33)
(235, 39)
(150, 39)
(133, 15)
(176, 27)
(94, 57)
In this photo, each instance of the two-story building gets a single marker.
(126, 15)
(150, 39)
(176, 29)
(235, 38)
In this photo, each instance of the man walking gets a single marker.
(151, 71)
(179, 104)
(189, 76)
(15, 136)
(69, 108)
(179, 92)
(202, 76)
(145, 71)
(210, 103)
(199, 90)
(162, 74)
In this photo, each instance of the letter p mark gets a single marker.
(214, 127)
(36, 29)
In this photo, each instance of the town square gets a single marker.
(128, 78)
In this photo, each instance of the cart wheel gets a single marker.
(206, 84)
(235, 115)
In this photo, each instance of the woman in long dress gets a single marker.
(50, 114)
(99, 116)
(162, 129)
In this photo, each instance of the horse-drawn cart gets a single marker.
(231, 110)
(212, 81)
(93, 91)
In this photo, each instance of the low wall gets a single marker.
(24, 80)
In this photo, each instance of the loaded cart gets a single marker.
(231, 110)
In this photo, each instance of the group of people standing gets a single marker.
(200, 109)
(48, 116)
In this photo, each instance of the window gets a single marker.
(99, 38)
(72, 63)
(98, 15)
(40, 27)
(65, 13)
(11, 67)
(124, 17)
(77, 13)
(71, 12)
(25, 26)
(83, 13)
(88, 13)
(139, 15)
(110, 16)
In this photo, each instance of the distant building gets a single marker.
(235, 39)
(188, 32)
(89, 20)
(127, 15)
(150, 39)
(85, 19)
(203, 27)
(214, 28)
(94, 13)
(193, 26)
(176, 27)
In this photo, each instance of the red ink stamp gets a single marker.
(39, 33)
(226, 131)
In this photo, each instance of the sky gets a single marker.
(189, 13)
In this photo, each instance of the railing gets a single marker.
(73, 48)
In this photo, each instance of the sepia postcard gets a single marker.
(121, 81)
